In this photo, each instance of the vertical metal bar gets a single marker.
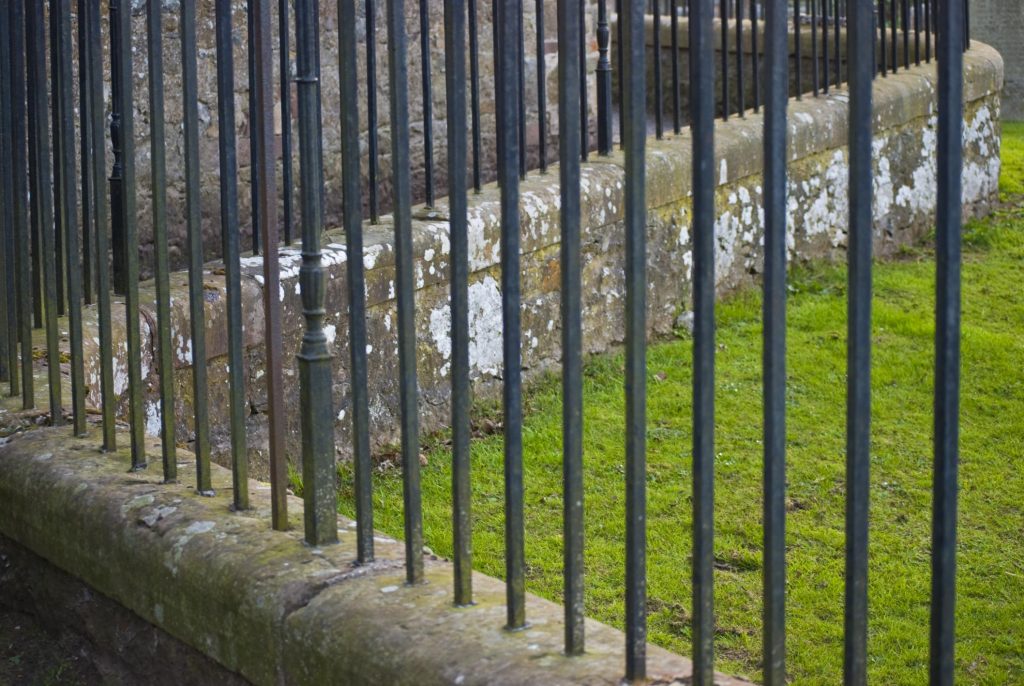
(569, 143)
(126, 107)
(827, 72)
(285, 75)
(635, 128)
(266, 198)
(41, 196)
(893, 43)
(798, 50)
(836, 37)
(474, 94)
(755, 56)
(740, 106)
(97, 116)
(584, 98)
(967, 25)
(879, 30)
(22, 227)
(497, 70)
(407, 385)
(704, 177)
(952, 20)
(677, 106)
(371, 113)
(352, 208)
(774, 342)
(36, 254)
(316, 405)
(319, 108)
(858, 397)
(521, 80)
(59, 235)
(455, 78)
(815, 57)
(928, 19)
(510, 303)
(117, 225)
(231, 248)
(619, 63)
(85, 154)
(254, 138)
(67, 211)
(905, 25)
(266, 204)
(659, 126)
(158, 167)
(197, 316)
(8, 301)
(428, 101)
(604, 81)
(723, 19)
(917, 32)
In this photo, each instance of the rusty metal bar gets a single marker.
(158, 170)
(231, 247)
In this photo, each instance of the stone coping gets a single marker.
(263, 603)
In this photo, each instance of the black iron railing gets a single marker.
(57, 248)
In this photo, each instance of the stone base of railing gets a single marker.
(904, 209)
(262, 605)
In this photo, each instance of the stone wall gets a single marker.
(904, 159)
(331, 99)
(177, 588)
(1000, 23)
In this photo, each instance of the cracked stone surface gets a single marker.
(263, 604)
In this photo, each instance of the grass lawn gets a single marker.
(990, 609)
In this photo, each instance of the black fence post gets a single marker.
(315, 402)
(569, 143)
(774, 341)
(508, 146)
(858, 398)
(952, 25)
(703, 127)
(634, 128)
(455, 77)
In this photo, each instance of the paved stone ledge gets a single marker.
(263, 604)
(904, 152)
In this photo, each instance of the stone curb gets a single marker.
(265, 605)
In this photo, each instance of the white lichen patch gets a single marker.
(153, 416)
(485, 355)
(882, 181)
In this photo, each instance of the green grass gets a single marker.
(990, 606)
(1012, 180)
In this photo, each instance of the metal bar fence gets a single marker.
(43, 199)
